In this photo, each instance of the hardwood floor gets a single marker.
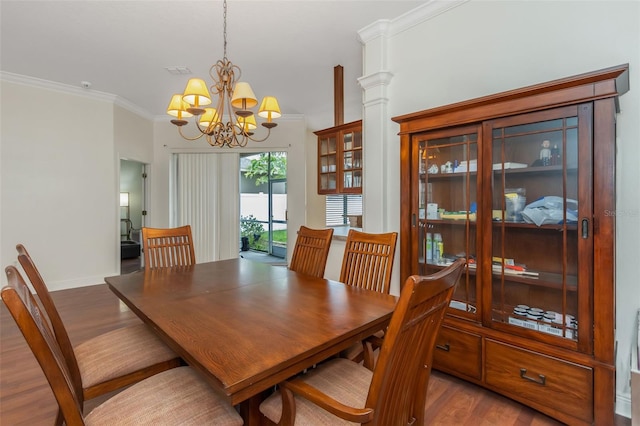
(26, 399)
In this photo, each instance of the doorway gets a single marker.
(263, 206)
(132, 214)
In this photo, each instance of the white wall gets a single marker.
(483, 47)
(59, 193)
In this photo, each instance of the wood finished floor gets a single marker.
(26, 399)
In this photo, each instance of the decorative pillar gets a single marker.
(379, 158)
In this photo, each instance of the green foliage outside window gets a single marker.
(268, 164)
(250, 227)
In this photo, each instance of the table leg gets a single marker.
(250, 410)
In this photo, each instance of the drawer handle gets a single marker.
(444, 347)
(523, 374)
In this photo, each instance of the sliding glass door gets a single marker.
(263, 203)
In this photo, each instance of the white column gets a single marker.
(379, 158)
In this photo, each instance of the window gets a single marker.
(338, 207)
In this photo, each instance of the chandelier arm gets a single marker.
(194, 138)
(260, 140)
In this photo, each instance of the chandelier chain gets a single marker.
(224, 28)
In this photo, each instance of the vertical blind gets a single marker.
(338, 207)
(194, 200)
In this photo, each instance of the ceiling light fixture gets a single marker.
(235, 98)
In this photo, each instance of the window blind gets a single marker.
(338, 207)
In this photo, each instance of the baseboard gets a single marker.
(78, 282)
(623, 405)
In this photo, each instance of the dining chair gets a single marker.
(340, 391)
(176, 396)
(311, 251)
(367, 262)
(106, 362)
(164, 247)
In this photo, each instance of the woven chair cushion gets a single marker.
(341, 379)
(174, 397)
(119, 352)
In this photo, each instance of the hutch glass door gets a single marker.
(447, 200)
(539, 230)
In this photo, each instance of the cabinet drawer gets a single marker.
(548, 381)
(459, 352)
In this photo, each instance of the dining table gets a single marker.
(246, 326)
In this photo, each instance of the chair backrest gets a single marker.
(398, 388)
(167, 247)
(52, 315)
(24, 310)
(311, 251)
(368, 260)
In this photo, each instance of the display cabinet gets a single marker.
(521, 184)
(340, 159)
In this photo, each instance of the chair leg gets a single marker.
(59, 418)
(288, 407)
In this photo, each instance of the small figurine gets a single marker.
(545, 153)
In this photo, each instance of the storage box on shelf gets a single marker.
(519, 183)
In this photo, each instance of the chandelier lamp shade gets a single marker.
(235, 101)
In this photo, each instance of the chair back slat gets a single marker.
(368, 260)
(23, 308)
(52, 315)
(165, 247)
(311, 251)
(399, 385)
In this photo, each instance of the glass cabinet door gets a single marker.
(328, 159)
(352, 161)
(447, 200)
(536, 241)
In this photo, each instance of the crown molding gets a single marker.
(389, 28)
(76, 91)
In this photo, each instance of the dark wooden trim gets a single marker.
(338, 95)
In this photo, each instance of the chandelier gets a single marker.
(234, 101)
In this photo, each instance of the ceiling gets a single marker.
(284, 48)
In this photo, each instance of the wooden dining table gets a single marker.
(246, 326)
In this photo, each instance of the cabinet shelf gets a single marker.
(536, 170)
(524, 170)
(446, 176)
(543, 280)
(457, 222)
(524, 225)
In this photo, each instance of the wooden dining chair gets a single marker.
(340, 391)
(176, 396)
(367, 262)
(164, 247)
(106, 362)
(311, 251)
